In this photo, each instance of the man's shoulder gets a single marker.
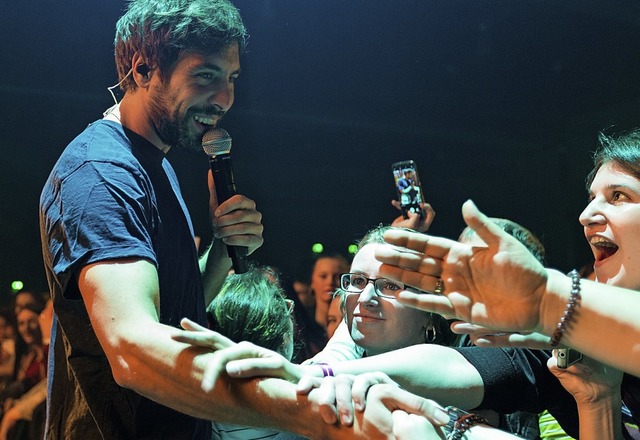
(101, 139)
(100, 142)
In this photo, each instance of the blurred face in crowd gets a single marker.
(611, 224)
(334, 316)
(29, 326)
(325, 278)
(380, 324)
(24, 299)
(6, 331)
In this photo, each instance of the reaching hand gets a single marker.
(499, 285)
(424, 416)
(339, 394)
(408, 426)
(487, 337)
(200, 336)
(414, 221)
(236, 221)
(242, 360)
(383, 398)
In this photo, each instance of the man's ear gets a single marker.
(141, 71)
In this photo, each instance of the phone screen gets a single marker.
(408, 187)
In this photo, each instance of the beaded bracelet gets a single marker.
(574, 299)
(460, 421)
(326, 369)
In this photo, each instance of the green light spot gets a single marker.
(353, 248)
(317, 248)
(17, 285)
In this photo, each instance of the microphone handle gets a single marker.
(225, 188)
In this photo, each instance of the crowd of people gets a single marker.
(146, 337)
(26, 328)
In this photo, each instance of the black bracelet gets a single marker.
(567, 316)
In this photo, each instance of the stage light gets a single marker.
(353, 248)
(17, 285)
(317, 248)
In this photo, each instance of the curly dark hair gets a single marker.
(162, 30)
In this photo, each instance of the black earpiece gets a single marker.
(143, 70)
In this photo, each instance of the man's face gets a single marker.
(193, 97)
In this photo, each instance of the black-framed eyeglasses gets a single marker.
(356, 283)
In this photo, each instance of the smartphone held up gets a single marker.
(408, 187)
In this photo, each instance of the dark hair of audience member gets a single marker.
(253, 307)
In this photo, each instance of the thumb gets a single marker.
(487, 230)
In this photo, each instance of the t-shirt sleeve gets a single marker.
(517, 379)
(107, 212)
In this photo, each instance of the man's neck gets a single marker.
(132, 113)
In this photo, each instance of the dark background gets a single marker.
(498, 101)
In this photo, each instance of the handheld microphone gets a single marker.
(216, 143)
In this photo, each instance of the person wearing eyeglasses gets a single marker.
(375, 321)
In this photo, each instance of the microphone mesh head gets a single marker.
(216, 141)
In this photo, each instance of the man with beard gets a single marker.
(118, 242)
(119, 252)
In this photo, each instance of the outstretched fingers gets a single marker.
(436, 247)
(200, 336)
(486, 229)
(439, 304)
(395, 398)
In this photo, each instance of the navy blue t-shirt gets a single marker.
(113, 195)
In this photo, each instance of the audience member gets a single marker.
(27, 297)
(428, 370)
(334, 316)
(375, 322)
(7, 346)
(31, 356)
(252, 307)
(25, 419)
(325, 279)
(527, 295)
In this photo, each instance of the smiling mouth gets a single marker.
(368, 318)
(603, 248)
(203, 120)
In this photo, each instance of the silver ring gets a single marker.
(439, 287)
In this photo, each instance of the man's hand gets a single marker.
(236, 221)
